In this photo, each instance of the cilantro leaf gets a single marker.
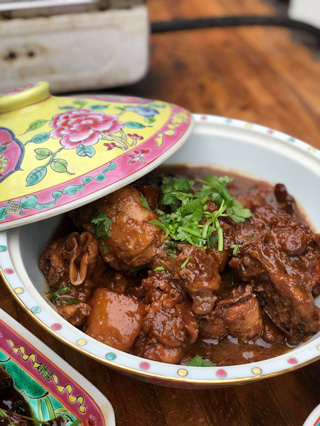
(170, 247)
(235, 209)
(185, 263)
(105, 248)
(190, 222)
(235, 248)
(70, 301)
(135, 269)
(144, 202)
(102, 225)
(54, 295)
(197, 361)
(175, 190)
(237, 212)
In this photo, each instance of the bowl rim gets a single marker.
(156, 371)
(31, 351)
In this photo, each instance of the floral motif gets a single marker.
(11, 153)
(83, 127)
(3, 163)
(18, 90)
(145, 111)
(92, 420)
(138, 156)
(135, 138)
(110, 145)
(5, 139)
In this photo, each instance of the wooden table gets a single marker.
(260, 75)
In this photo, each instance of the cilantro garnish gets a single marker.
(102, 225)
(54, 295)
(197, 361)
(144, 202)
(159, 269)
(170, 247)
(175, 190)
(105, 248)
(70, 301)
(190, 222)
(235, 248)
(134, 270)
(216, 189)
(185, 262)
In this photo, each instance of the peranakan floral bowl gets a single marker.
(50, 387)
(255, 150)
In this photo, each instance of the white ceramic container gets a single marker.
(49, 385)
(255, 150)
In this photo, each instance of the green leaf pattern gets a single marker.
(32, 201)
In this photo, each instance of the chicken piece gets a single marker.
(168, 326)
(115, 319)
(221, 257)
(133, 239)
(282, 263)
(72, 259)
(197, 273)
(238, 315)
(75, 314)
(83, 253)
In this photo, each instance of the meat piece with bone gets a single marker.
(197, 273)
(237, 314)
(71, 259)
(168, 326)
(282, 263)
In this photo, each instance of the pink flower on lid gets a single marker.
(83, 127)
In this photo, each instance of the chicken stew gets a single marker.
(189, 266)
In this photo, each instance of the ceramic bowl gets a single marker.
(50, 387)
(314, 417)
(255, 150)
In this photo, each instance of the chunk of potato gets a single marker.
(115, 319)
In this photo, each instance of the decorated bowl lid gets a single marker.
(58, 153)
(42, 386)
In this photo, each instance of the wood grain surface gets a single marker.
(260, 75)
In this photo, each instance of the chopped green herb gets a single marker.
(159, 269)
(144, 202)
(197, 361)
(135, 270)
(105, 248)
(170, 247)
(102, 225)
(54, 295)
(190, 222)
(216, 188)
(185, 262)
(235, 248)
(237, 212)
(70, 302)
(175, 190)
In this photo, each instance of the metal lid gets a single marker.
(58, 153)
